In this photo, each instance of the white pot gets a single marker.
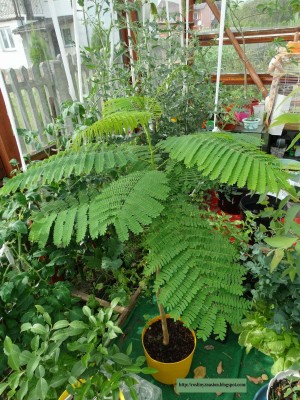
(281, 375)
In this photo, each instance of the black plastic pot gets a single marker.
(231, 205)
(250, 203)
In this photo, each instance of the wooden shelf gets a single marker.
(238, 79)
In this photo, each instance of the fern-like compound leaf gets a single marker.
(134, 103)
(229, 158)
(57, 167)
(198, 276)
(129, 203)
(118, 123)
(65, 217)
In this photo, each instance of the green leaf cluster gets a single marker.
(196, 283)
(283, 347)
(64, 353)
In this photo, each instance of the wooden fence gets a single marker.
(36, 94)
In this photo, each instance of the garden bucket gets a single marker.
(168, 373)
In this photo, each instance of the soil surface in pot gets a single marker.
(279, 390)
(180, 346)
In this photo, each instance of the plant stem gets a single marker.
(148, 136)
(163, 318)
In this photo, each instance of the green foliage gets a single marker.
(64, 352)
(38, 50)
(129, 203)
(287, 118)
(91, 159)
(120, 116)
(229, 159)
(118, 124)
(133, 103)
(284, 244)
(197, 283)
(284, 347)
(274, 288)
(185, 247)
(19, 293)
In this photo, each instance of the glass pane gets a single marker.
(67, 36)
(259, 54)
(4, 39)
(244, 15)
(11, 40)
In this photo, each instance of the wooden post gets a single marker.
(8, 144)
(239, 51)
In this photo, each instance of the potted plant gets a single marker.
(285, 386)
(194, 269)
(226, 118)
(251, 123)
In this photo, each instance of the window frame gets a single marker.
(67, 28)
(6, 30)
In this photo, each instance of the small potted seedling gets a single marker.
(285, 386)
(251, 122)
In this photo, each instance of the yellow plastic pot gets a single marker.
(169, 372)
(66, 394)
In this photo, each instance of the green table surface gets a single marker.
(236, 363)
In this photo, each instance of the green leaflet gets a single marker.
(129, 203)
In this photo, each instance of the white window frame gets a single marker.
(9, 36)
(63, 35)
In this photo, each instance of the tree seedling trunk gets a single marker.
(163, 317)
(163, 323)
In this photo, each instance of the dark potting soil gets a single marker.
(279, 390)
(180, 346)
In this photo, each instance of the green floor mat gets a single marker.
(236, 363)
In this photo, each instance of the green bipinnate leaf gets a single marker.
(129, 204)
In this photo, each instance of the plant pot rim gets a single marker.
(251, 119)
(157, 318)
(261, 391)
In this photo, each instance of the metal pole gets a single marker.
(220, 51)
(78, 58)
(62, 49)
(130, 46)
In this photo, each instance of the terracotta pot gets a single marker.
(294, 47)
